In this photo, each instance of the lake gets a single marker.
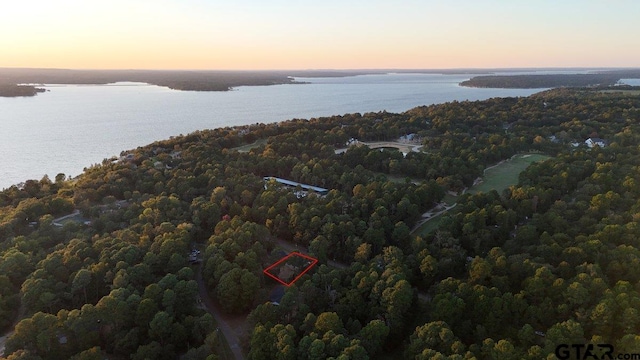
(71, 127)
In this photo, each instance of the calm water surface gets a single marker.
(73, 126)
(632, 82)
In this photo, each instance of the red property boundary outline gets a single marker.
(314, 261)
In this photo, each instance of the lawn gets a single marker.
(506, 174)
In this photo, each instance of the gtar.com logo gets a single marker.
(590, 351)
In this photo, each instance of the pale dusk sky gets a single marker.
(328, 34)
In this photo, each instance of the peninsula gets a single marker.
(539, 81)
(13, 90)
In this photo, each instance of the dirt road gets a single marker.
(3, 340)
(232, 337)
(7, 335)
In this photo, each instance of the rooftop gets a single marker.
(296, 184)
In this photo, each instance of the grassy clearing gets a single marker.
(394, 178)
(429, 226)
(496, 178)
(247, 147)
(449, 199)
(399, 179)
(506, 174)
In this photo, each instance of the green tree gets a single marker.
(160, 326)
(237, 290)
(316, 350)
(262, 343)
(373, 336)
(329, 321)
(81, 281)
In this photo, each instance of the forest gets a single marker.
(539, 81)
(514, 274)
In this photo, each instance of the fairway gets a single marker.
(506, 173)
(497, 177)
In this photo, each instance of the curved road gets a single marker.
(7, 335)
(431, 217)
(227, 331)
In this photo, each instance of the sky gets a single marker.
(312, 34)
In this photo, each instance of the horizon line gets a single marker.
(336, 69)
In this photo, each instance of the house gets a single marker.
(276, 295)
(592, 142)
(127, 157)
(407, 138)
(352, 141)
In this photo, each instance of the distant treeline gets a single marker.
(189, 80)
(13, 90)
(218, 80)
(177, 80)
(550, 80)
